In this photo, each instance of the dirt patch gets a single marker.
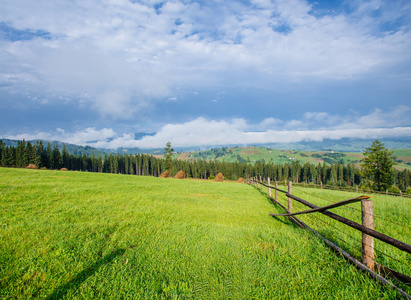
(404, 158)
(252, 151)
(184, 156)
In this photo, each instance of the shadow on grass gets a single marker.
(60, 292)
(283, 220)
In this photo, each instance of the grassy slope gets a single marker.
(85, 235)
(253, 154)
(391, 217)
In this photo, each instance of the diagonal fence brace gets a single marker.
(324, 208)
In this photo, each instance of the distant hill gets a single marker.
(252, 155)
(342, 151)
(71, 148)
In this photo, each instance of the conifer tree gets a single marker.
(168, 155)
(377, 166)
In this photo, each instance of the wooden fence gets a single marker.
(367, 262)
(355, 189)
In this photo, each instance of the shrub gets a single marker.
(219, 177)
(211, 177)
(165, 174)
(180, 175)
(394, 189)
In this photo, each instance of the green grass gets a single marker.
(392, 217)
(76, 235)
(275, 156)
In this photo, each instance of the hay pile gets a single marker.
(165, 174)
(31, 166)
(180, 175)
(63, 169)
(240, 180)
(219, 177)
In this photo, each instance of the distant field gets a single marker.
(254, 154)
(77, 235)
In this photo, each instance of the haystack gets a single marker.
(180, 175)
(240, 180)
(165, 174)
(31, 166)
(63, 169)
(219, 177)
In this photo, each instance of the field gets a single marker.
(275, 156)
(77, 235)
(391, 217)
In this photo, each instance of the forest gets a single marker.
(48, 157)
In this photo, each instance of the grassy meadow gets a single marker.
(77, 235)
(275, 156)
(392, 217)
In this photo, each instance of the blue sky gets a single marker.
(204, 72)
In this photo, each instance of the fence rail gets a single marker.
(351, 189)
(367, 229)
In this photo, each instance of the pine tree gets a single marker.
(57, 159)
(168, 155)
(65, 158)
(377, 166)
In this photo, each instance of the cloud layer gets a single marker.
(204, 72)
(120, 57)
(203, 132)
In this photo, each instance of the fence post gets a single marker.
(290, 201)
(356, 187)
(367, 240)
(276, 192)
(261, 183)
(269, 188)
(321, 184)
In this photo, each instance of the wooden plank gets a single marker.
(348, 257)
(290, 201)
(394, 274)
(320, 209)
(382, 237)
(367, 241)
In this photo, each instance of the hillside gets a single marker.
(81, 235)
(254, 154)
(243, 154)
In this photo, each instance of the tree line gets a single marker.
(49, 157)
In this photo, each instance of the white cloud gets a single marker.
(88, 136)
(126, 48)
(316, 126)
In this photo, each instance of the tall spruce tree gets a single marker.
(168, 155)
(377, 166)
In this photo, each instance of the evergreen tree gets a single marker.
(50, 159)
(57, 159)
(2, 152)
(377, 166)
(65, 158)
(168, 155)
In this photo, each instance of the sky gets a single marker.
(199, 73)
